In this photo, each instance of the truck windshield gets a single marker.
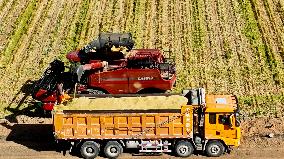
(224, 119)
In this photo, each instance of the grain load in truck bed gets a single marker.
(125, 103)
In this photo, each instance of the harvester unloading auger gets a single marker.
(107, 47)
(107, 65)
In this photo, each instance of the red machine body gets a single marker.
(139, 73)
(107, 65)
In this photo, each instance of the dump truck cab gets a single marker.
(221, 123)
(221, 119)
(216, 121)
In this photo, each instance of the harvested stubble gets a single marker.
(125, 103)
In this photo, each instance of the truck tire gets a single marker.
(89, 150)
(214, 148)
(184, 149)
(113, 149)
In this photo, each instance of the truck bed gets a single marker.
(123, 124)
(125, 103)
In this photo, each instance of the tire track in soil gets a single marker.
(266, 16)
(277, 24)
(275, 42)
(267, 44)
(241, 42)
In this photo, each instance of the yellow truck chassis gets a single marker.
(209, 127)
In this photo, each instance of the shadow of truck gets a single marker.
(38, 137)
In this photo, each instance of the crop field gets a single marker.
(225, 46)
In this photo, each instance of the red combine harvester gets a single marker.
(107, 65)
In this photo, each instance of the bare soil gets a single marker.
(31, 137)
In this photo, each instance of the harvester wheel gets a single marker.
(214, 148)
(184, 149)
(89, 150)
(113, 149)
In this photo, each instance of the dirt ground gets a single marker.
(31, 137)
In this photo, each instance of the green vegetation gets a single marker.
(262, 105)
(228, 47)
(22, 26)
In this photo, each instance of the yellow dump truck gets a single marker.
(204, 123)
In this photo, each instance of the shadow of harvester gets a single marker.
(31, 107)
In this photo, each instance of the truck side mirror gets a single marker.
(231, 120)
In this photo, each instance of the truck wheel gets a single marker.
(113, 149)
(184, 149)
(89, 150)
(214, 148)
